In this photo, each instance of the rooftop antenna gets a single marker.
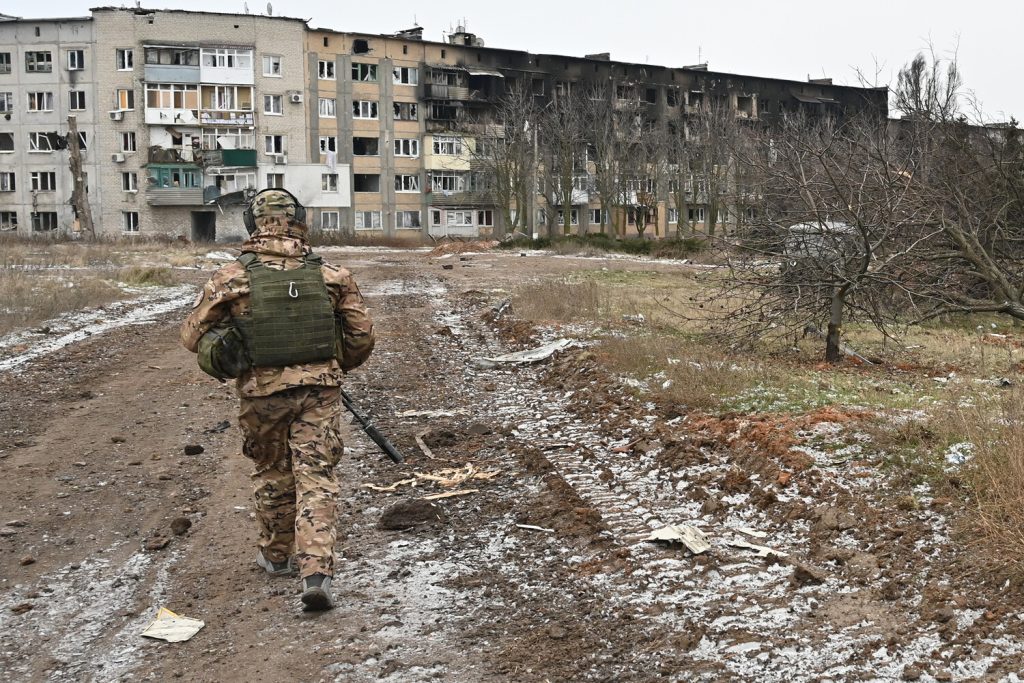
(700, 54)
(245, 6)
(270, 10)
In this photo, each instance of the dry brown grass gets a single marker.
(566, 300)
(30, 298)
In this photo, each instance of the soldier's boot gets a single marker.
(316, 593)
(286, 568)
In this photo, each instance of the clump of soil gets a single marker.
(410, 513)
(440, 438)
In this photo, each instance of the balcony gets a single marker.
(170, 117)
(171, 155)
(174, 196)
(243, 158)
(432, 91)
(219, 117)
(171, 73)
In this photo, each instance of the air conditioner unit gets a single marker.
(296, 97)
(117, 158)
(116, 115)
(280, 158)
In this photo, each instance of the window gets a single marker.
(595, 217)
(407, 220)
(329, 220)
(5, 62)
(8, 220)
(460, 218)
(228, 138)
(407, 183)
(365, 147)
(6, 101)
(485, 218)
(40, 101)
(125, 59)
(76, 60)
(128, 141)
(406, 75)
(38, 62)
(574, 217)
(672, 97)
(174, 176)
(651, 96)
(328, 143)
(82, 145)
(130, 181)
(7, 181)
(227, 98)
(366, 182)
(76, 100)
(435, 217)
(272, 66)
(360, 46)
(172, 96)
(43, 221)
(272, 105)
(6, 142)
(362, 109)
(367, 220)
(440, 111)
(329, 108)
(130, 221)
(125, 99)
(673, 215)
(329, 182)
(364, 72)
(451, 146)
(406, 111)
(40, 142)
(407, 147)
(227, 58)
(43, 181)
(273, 144)
(325, 70)
(447, 182)
(275, 180)
(172, 56)
(695, 215)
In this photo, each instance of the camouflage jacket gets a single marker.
(281, 246)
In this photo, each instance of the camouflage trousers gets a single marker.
(294, 441)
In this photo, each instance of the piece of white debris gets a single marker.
(532, 355)
(171, 627)
(687, 534)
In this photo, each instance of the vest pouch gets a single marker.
(339, 340)
(221, 353)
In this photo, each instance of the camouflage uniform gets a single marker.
(289, 415)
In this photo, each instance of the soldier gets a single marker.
(304, 324)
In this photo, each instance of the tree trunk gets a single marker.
(833, 350)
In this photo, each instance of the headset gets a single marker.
(250, 222)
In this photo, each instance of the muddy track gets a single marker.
(93, 442)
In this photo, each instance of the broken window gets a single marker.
(406, 111)
(745, 107)
(695, 214)
(460, 218)
(39, 142)
(363, 109)
(538, 87)
(43, 181)
(125, 59)
(443, 181)
(485, 218)
(7, 181)
(38, 62)
(329, 108)
(44, 221)
(272, 66)
(328, 143)
(407, 147)
(406, 75)
(273, 144)
(447, 145)
(366, 182)
(8, 220)
(366, 147)
(407, 183)
(76, 60)
(325, 70)
(40, 101)
(651, 96)
(364, 72)
(5, 62)
(367, 220)
(329, 220)
(440, 111)
(359, 46)
(672, 97)
(329, 182)
(408, 220)
(625, 92)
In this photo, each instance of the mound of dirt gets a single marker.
(463, 247)
(410, 513)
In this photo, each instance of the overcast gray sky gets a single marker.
(788, 39)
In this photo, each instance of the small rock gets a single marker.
(193, 449)
(837, 520)
(911, 672)
(944, 676)
(156, 543)
(8, 532)
(17, 523)
(80, 463)
(134, 463)
(807, 574)
(180, 525)
(22, 608)
(556, 632)
(117, 439)
(164, 476)
(479, 429)
(944, 614)
(27, 560)
(448, 266)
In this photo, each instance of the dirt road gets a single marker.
(541, 574)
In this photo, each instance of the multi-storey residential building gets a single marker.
(47, 72)
(373, 133)
(204, 109)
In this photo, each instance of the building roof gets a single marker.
(142, 11)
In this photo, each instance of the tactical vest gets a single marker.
(291, 319)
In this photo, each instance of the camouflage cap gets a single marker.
(273, 203)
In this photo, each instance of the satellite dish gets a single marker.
(270, 10)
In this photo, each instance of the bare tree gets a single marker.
(928, 90)
(561, 126)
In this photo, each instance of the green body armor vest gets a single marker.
(291, 319)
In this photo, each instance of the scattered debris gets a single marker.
(156, 542)
(17, 523)
(690, 536)
(532, 355)
(409, 513)
(440, 438)
(760, 550)
(27, 560)
(807, 574)
(171, 627)
(391, 487)
(221, 426)
(531, 527)
(423, 447)
(447, 477)
(451, 494)
(21, 608)
(430, 413)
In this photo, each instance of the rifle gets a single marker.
(370, 430)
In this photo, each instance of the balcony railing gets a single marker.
(217, 117)
(174, 196)
(432, 91)
(245, 158)
(164, 155)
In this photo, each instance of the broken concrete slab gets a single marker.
(690, 536)
(532, 355)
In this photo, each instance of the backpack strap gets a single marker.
(312, 260)
(250, 261)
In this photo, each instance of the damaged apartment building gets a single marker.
(186, 114)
